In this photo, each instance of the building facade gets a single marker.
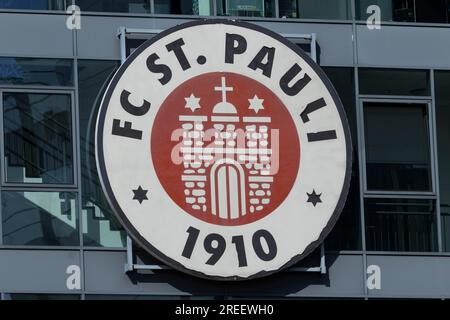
(58, 236)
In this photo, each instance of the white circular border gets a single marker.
(324, 166)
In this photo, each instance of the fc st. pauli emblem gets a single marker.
(224, 150)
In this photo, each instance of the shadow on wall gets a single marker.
(281, 284)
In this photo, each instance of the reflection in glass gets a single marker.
(100, 228)
(188, 7)
(400, 225)
(35, 4)
(246, 8)
(436, 11)
(313, 9)
(394, 82)
(36, 71)
(38, 138)
(442, 83)
(39, 218)
(346, 234)
(391, 10)
(130, 6)
(397, 147)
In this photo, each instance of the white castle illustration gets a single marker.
(238, 171)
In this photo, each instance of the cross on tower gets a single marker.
(224, 90)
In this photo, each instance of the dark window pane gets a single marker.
(346, 235)
(132, 6)
(100, 227)
(445, 221)
(402, 10)
(391, 10)
(400, 225)
(436, 11)
(190, 7)
(39, 218)
(397, 147)
(35, 4)
(313, 9)
(38, 138)
(41, 296)
(442, 82)
(394, 82)
(246, 8)
(36, 71)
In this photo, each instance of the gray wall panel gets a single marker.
(104, 273)
(344, 278)
(35, 35)
(36, 270)
(335, 40)
(408, 276)
(407, 47)
(97, 37)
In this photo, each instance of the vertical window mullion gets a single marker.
(152, 6)
(434, 154)
(2, 168)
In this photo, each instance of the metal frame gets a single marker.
(75, 163)
(43, 187)
(429, 102)
(350, 20)
(123, 33)
(398, 101)
(436, 162)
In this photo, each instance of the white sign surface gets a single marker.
(224, 150)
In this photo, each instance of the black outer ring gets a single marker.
(122, 217)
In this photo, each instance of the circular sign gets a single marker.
(224, 150)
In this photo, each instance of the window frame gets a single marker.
(427, 101)
(436, 233)
(78, 222)
(74, 129)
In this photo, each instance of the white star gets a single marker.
(192, 102)
(256, 104)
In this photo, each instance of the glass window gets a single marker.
(41, 296)
(129, 6)
(397, 146)
(37, 138)
(442, 82)
(346, 235)
(391, 10)
(400, 225)
(36, 71)
(39, 218)
(394, 82)
(100, 228)
(313, 9)
(436, 11)
(35, 4)
(247, 8)
(190, 7)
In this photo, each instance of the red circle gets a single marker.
(185, 135)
